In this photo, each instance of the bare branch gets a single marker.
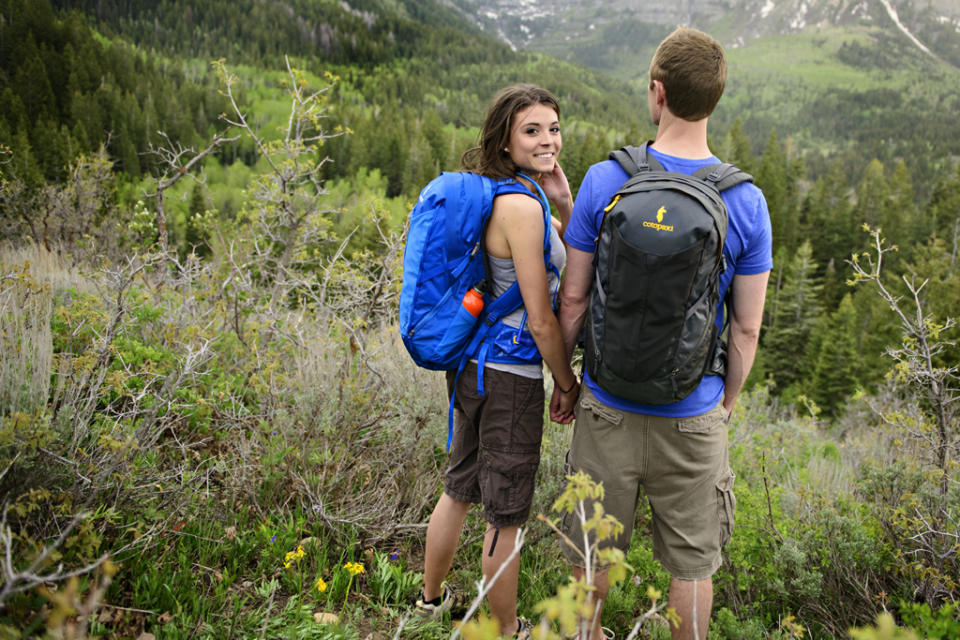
(178, 161)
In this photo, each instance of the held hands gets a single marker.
(557, 189)
(562, 404)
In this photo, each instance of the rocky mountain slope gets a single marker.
(576, 28)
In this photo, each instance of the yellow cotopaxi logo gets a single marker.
(656, 225)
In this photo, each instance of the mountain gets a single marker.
(839, 79)
(573, 29)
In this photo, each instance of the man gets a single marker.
(678, 451)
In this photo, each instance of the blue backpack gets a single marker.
(443, 259)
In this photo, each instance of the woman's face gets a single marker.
(535, 140)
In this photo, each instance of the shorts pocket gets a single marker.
(526, 430)
(705, 422)
(507, 481)
(726, 505)
(599, 410)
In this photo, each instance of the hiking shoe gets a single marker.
(524, 628)
(430, 610)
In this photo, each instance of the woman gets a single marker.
(495, 449)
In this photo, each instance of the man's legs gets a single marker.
(681, 599)
(502, 596)
(602, 586)
(443, 535)
(692, 600)
(690, 490)
(609, 446)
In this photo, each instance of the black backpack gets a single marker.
(650, 334)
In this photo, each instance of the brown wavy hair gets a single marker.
(488, 158)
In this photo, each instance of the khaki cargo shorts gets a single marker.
(683, 466)
(495, 450)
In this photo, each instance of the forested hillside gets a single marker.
(209, 429)
(856, 80)
(387, 63)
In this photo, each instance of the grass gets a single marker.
(25, 312)
(258, 483)
(311, 462)
(206, 541)
(812, 59)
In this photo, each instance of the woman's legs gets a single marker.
(443, 536)
(507, 423)
(502, 596)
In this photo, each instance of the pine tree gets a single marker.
(736, 147)
(773, 178)
(419, 167)
(796, 309)
(827, 218)
(941, 216)
(12, 112)
(873, 196)
(834, 342)
(194, 236)
(432, 128)
(582, 149)
(50, 150)
(23, 164)
(932, 262)
(123, 146)
(31, 83)
(393, 162)
(902, 219)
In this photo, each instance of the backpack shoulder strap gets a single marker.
(513, 185)
(635, 160)
(723, 175)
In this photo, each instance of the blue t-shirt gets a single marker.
(748, 251)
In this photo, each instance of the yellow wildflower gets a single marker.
(354, 568)
(293, 555)
(321, 585)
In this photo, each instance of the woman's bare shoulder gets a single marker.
(517, 205)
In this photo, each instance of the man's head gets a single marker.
(692, 67)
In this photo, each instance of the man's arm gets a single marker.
(748, 294)
(575, 295)
(574, 298)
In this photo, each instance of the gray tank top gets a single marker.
(504, 274)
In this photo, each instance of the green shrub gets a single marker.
(942, 624)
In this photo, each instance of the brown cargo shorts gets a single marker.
(683, 466)
(495, 450)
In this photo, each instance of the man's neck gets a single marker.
(682, 138)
